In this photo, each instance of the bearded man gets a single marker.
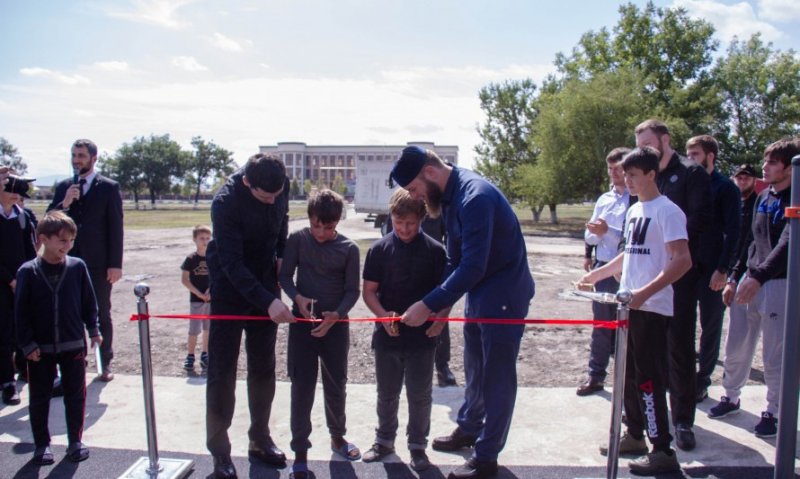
(488, 262)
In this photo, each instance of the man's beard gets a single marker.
(433, 199)
(748, 191)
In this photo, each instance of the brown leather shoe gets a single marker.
(106, 376)
(591, 386)
(455, 441)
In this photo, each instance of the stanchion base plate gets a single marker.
(168, 469)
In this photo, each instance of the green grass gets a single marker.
(166, 215)
(571, 220)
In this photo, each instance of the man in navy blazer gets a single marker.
(95, 204)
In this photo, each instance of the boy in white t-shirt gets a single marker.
(656, 254)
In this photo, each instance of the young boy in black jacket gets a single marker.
(54, 301)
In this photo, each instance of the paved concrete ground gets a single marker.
(555, 433)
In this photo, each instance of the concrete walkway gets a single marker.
(552, 427)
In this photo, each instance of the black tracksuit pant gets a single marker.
(224, 341)
(645, 378)
(306, 356)
(40, 381)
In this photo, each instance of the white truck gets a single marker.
(372, 179)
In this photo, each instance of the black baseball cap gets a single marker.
(17, 184)
(745, 170)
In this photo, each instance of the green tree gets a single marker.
(339, 185)
(126, 168)
(10, 157)
(160, 161)
(307, 185)
(576, 128)
(672, 51)
(207, 159)
(510, 113)
(760, 88)
(294, 188)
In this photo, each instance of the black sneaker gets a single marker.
(768, 426)
(204, 360)
(724, 408)
(188, 363)
(10, 395)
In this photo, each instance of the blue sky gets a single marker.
(245, 73)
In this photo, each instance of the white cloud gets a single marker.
(156, 12)
(190, 64)
(392, 107)
(112, 66)
(228, 44)
(779, 10)
(738, 19)
(54, 75)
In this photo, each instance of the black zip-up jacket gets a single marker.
(688, 185)
(248, 237)
(718, 248)
(745, 233)
(52, 318)
(768, 252)
(16, 244)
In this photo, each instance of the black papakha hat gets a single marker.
(745, 170)
(17, 184)
(409, 165)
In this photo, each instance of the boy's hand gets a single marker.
(13, 285)
(97, 341)
(718, 281)
(304, 305)
(34, 355)
(588, 278)
(587, 264)
(638, 299)
(205, 297)
(279, 313)
(435, 329)
(417, 314)
(329, 319)
(391, 327)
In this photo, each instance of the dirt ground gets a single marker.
(549, 356)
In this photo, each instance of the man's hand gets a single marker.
(72, 194)
(728, 293)
(416, 315)
(588, 278)
(599, 227)
(747, 290)
(329, 319)
(435, 329)
(113, 275)
(3, 175)
(13, 285)
(206, 297)
(34, 355)
(391, 327)
(587, 264)
(279, 313)
(304, 305)
(718, 281)
(97, 341)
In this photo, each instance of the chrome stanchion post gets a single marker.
(790, 381)
(150, 467)
(620, 359)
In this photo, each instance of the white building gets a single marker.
(323, 163)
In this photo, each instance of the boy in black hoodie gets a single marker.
(54, 301)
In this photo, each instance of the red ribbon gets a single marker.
(561, 322)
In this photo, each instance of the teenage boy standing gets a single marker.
(656, 254)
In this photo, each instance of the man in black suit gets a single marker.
(95, 204)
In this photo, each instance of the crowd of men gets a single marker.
(738, 241)
(734, 240)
